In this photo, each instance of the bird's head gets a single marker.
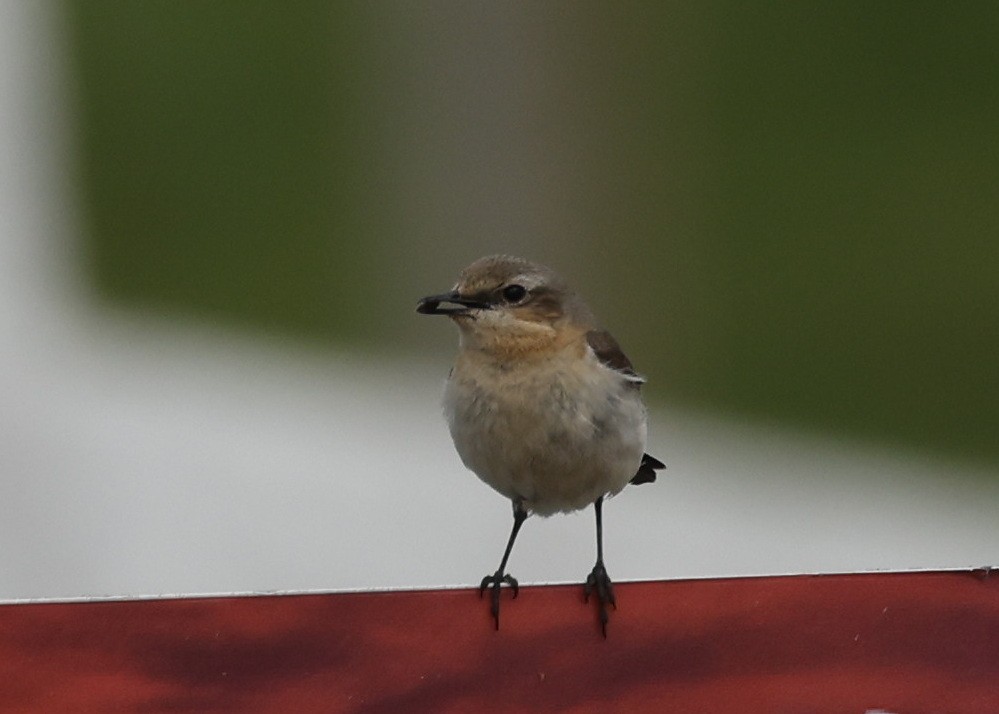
(503, 303)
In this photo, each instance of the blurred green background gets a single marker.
(783, 210)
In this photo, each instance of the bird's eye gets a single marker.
(514, 293)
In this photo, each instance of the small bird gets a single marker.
(542, 404)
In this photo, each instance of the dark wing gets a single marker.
(607, 350)
(647, 470)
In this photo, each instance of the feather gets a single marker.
(607, 350)
(647, 470)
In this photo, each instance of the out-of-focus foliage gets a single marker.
(847, 225)
(221, 168)
(787, 210)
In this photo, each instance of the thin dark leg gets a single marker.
(496, 580)
(598, 580)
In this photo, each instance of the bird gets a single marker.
(541, 403)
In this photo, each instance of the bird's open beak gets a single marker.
(432, 305)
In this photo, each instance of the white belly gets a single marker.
(556, 438)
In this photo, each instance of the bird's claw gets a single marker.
(494, 582)
(598, 581)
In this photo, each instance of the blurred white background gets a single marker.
(141, 455)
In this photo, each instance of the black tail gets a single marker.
(647, 470)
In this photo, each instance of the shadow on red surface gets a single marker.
(904, 643)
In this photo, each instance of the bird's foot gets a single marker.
(598, 581)
(494, 582)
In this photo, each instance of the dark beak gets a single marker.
(432, 305)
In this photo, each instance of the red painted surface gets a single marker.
(904, 643)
